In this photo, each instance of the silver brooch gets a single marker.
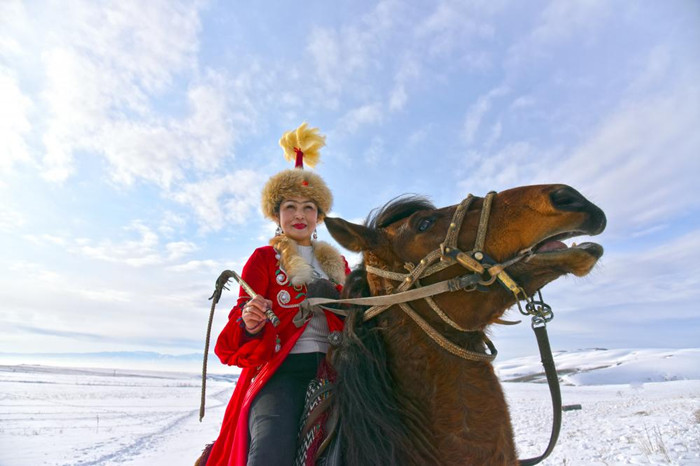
(283, 297)
(335, 338)
(281, 278)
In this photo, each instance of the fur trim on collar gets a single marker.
(298, 270)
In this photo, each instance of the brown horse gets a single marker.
(403, 398)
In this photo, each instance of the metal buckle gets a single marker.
(540, 311)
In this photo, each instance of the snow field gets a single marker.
(654, 423)
(67, 416)
(58, 416)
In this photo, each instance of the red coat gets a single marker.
(261, 355)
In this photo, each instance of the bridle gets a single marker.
(482, 271)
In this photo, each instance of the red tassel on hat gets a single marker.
(300, 158)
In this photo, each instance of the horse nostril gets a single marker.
(568, 198)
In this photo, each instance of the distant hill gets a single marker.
(143, 360)
(607, 366)
(595, 366)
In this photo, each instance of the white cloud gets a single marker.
(230, 198)
(197, 266)
(524, 101)
(641, 161)
(146, 147)
(10, 220)
(558, 23)
(654, 71)
(38, 272)
(140, 252)
(70, 113)
(650, 277)
(417, 136)
(342, 58)
(52, 281)
(409, 69)
(170, 223)
(14, 122)
(105, 295)
(325, 49)
(46, 239)
(398, 97)
(107, 70)
(266, 231)
(105, 305)
(162, 151)
(375, 153)
(144, 250)
(506, 168)
(478, 110)
(453, 25)
(564, 19)
(15, 32)
(473, 119)
(178, 249)
(638, 161)
(136, 253)
(494, 134)
(105, 66)
(369, 114)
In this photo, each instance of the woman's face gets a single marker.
(298, 217)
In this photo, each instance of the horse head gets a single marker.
(526, 222)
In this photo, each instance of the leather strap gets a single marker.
(381, 303)
(554, 390)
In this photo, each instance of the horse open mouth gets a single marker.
(577, 259)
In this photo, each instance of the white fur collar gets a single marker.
(298, 270)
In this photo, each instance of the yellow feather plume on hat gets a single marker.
(308, 140)
(296, 182)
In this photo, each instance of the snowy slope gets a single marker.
(602, 366)
(78, 416)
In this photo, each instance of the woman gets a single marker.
(261, 423)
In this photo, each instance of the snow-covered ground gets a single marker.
(637, 407)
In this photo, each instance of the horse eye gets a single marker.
(425, 224)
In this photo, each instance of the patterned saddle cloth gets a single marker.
(318, 430)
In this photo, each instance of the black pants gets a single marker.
(274, 414)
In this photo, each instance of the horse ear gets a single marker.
(351, 236)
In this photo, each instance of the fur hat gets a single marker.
(302, 145)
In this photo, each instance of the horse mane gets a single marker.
(396, 209)
(376, 427)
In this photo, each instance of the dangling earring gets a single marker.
(314, 235)
(278, 231)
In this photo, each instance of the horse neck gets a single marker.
(460, 401)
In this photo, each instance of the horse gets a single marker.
(413, 378)
(402, 398)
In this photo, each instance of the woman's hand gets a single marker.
(253, 314)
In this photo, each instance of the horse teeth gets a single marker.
(573, 245)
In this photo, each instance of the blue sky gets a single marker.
(135, 138)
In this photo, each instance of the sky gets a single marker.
(135, 138)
